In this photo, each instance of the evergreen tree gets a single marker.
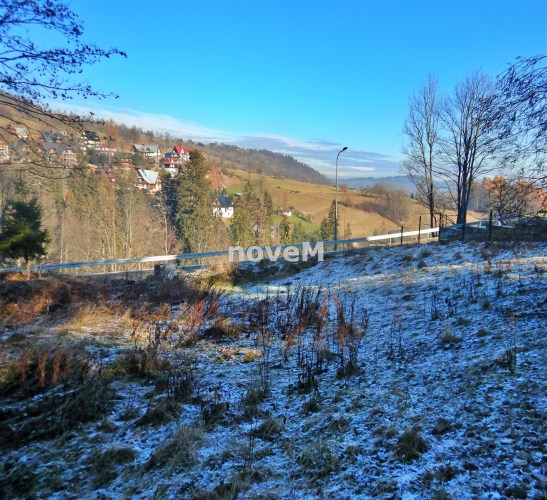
(194, 212)
(299, 235)
(327, 224)
(169, 196)
(21, 233)
(268, 204)
(269, 212)
(242, 229)
(285, 231)
(347, 234)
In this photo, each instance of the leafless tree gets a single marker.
(467, 146)
(421, 148)
(509, 197)
(31, 75)
(518, 118)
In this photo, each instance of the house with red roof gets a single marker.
(176, 159)
(181, 153)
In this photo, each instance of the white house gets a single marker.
(4, 152)
(148, 180)
(150, 151)
(285, 211)
(181, 153)
(223, 207)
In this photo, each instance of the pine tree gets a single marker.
(347, 234)
(242, 229)
(327, 224)
(194, 211)
(285, 231)
(269, 212)
(21, 233)
(299, 235)
(268, 204)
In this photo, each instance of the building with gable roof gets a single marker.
(150, 151)
(148, 180)
(223, 206)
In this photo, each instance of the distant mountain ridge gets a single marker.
(261, 161)
(123, 136)
(399, 181)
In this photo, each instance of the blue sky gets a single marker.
(303, 76)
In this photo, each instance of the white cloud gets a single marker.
(157, 122)
(318, 153)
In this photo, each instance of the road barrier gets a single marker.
(179, 258)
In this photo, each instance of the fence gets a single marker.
(510, 229)
(339, 245)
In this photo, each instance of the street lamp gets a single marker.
(336, 200)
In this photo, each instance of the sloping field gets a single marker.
(408, 372)
(314, 201)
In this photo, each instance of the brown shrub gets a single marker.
(410, 445)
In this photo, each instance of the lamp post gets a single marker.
(336, 200)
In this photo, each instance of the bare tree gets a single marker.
(509, 197)
(32, 75)
(518, 117)
(466, 149)
(421, 129)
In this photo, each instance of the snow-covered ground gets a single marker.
(447, 398)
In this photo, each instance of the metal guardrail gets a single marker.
(205, 255)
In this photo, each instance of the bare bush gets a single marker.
(389, 202)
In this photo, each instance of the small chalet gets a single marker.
(150, 151)
(106, 174)
(176, 159)
(90, 138)
(148, 180)
(21, 132)
(60, 152)
(285, 211)
(171, 165)
(223, 207)
(4, 152)
(181, 153)
(105, 149)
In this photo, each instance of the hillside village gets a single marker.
(111, 159)
(165, 334)
(144, 160)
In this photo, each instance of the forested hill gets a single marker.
(123, 137)
(260, 161)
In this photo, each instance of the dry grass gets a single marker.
(98, 318)
(37, 369)
(269, 429)
(410, 445)
(104, 465)
(180, 452)
(313, 201)
(24, 301)
(166, 410)
(318, 461)
(60, 412)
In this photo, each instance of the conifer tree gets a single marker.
(285, 231)
(194, 212)
(21, 233)
(299, 235)
(327, 224)
(242, 229)
(347, 234)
